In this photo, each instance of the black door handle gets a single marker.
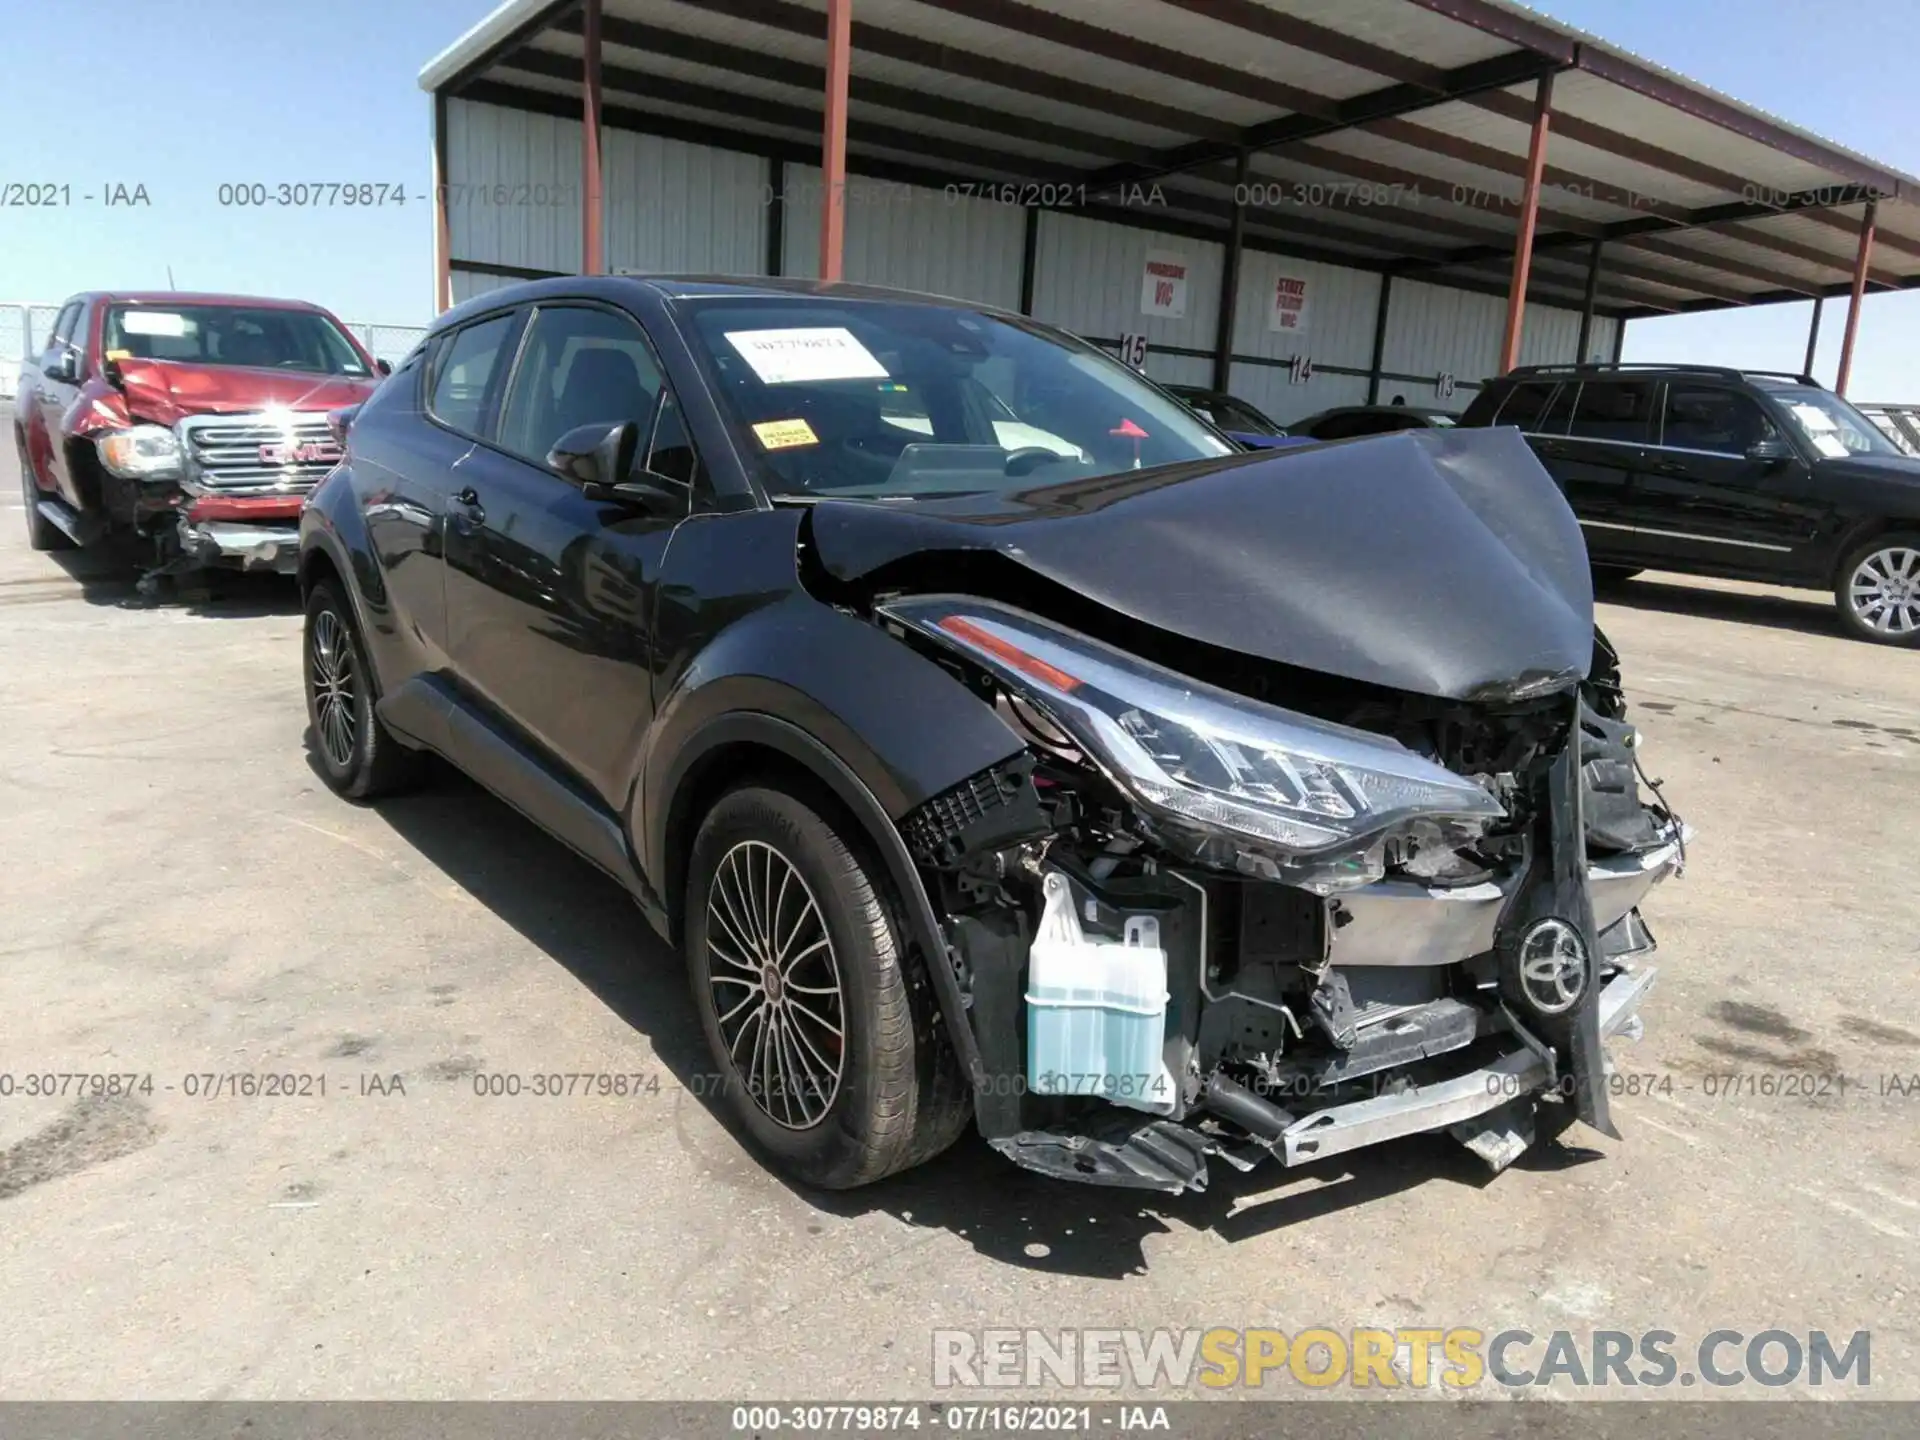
(468, 500)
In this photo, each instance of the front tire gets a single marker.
(821, 1020)
(1878, 590)
(42, 533)
(356, 754)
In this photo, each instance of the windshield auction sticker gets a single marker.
(782, 357)
(785, 434)
(153, 322)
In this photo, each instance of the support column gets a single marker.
(442, 233)
(776, 215)
(1379, 339)
(1230, 279)
(833, 140)
(592, 256)
(1860, 263)
(1029, 258)
(1529, 216)
(1813, 334)
(1586, 304)
(1619, 339)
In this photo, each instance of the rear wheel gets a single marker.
(42, 533)
(1878, 592)
(820, 1018)
(357, 755)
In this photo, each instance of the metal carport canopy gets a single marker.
(1387, 135)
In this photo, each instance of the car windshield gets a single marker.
(264, 337)
(889, 400)
(1829, 424)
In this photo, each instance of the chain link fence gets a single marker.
(25, 326)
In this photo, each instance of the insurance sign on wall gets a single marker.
(1288, 313)
(1163, 287)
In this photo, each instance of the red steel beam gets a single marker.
(592, 259)
(833, 139)
(1860, 263)
(442, 236)
(1529, 213)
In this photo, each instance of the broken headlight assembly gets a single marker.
(1220, 778)
(143, 452)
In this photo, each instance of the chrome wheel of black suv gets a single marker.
(1879, 590)
(354, 752)
(816, 1013)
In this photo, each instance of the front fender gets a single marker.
(879, 725)
(898, 722)
(332, 525)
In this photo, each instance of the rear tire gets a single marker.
(1877, 590)
(828, 1042)
(356, 754)
(42, 533)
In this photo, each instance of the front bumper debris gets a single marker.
(1161, 1155)
(250, 546)
(1396, 922)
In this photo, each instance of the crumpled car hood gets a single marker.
(1442, 562)
(166, 390)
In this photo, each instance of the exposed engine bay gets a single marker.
(1227, 909)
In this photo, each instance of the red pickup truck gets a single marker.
(194, 423)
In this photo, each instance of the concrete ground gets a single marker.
(181, 896)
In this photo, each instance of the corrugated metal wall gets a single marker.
(909, 236)
(514, 200)
(1087, 279)
(682, 208)
(469, 283)
(1433, 329)
(513, 187)
(1341, 305)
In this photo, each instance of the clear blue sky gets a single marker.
(182, 97)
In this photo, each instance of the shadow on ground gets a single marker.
(110, 575)
(1809, 611)
(587, 922)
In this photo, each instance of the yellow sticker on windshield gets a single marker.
(785, 434)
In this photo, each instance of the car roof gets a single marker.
(1650, 370)
(1376, 409)
(706, 287)
(196, 297)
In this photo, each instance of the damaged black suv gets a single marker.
(997, 741)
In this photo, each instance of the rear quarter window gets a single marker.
(1620, 410)
(464, 365)
(1525, 404)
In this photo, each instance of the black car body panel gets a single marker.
(612, 659)
(1258, 555)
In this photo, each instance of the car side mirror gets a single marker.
(385, 367)
(1770, 449)
(597, 455)
(600, 457)
(62, 368)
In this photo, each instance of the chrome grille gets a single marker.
(257, 454)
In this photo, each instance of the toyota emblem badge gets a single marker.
(1553, 967)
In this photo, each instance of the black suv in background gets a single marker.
(1749, 475)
